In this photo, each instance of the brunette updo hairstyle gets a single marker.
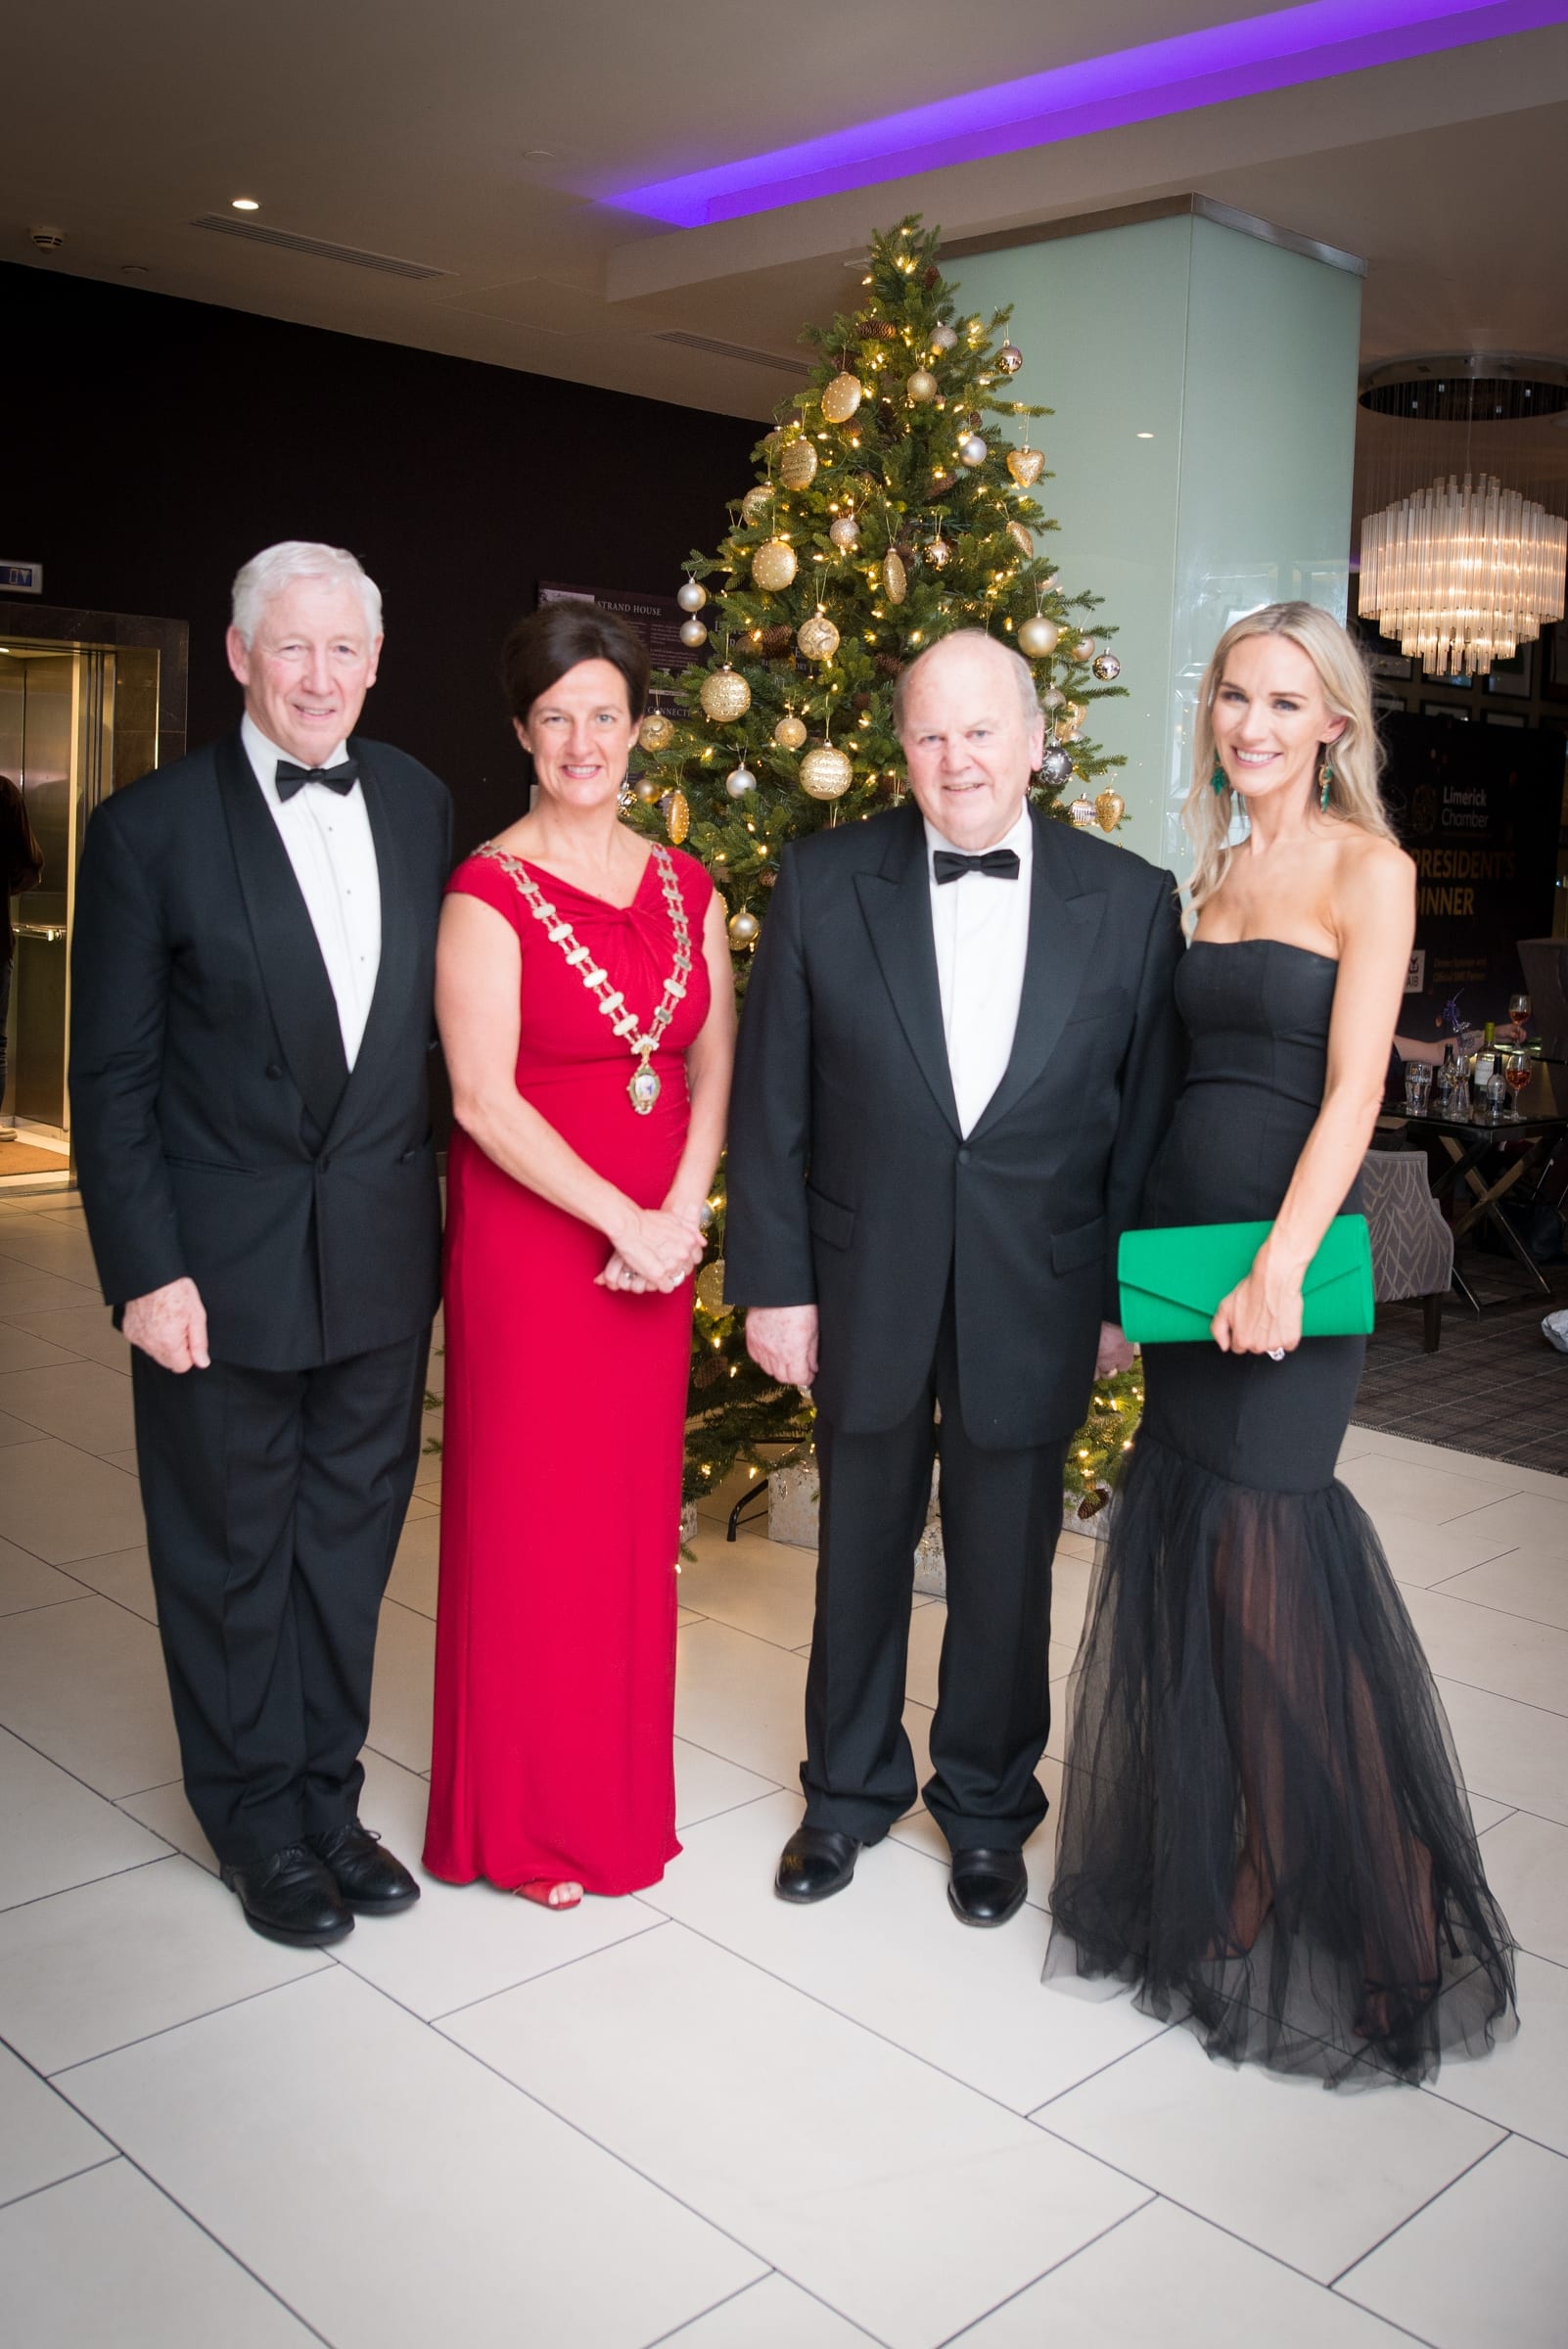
(541, 648)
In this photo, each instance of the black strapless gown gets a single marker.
(1263, 1826)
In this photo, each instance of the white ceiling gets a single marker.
(406, 129)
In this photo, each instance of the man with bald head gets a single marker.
(958, 1055)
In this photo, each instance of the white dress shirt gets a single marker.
(980, 925)
(328, 837)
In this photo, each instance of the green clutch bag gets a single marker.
(1173, 1278)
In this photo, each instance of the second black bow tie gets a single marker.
(1001, 863)
(291, 778)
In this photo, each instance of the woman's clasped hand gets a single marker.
(657, 1248)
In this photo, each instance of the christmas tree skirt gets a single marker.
(792, 1502)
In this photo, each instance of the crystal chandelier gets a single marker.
(1463, 574)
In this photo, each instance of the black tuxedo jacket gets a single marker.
(218, 1131)
(850, 1183)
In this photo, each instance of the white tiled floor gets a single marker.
(697, 2117)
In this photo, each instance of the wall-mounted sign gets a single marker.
(656, 619)
(20, 579)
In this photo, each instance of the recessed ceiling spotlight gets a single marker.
(1145, 435)
(243, 203)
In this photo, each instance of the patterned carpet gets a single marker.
(1495, 1386)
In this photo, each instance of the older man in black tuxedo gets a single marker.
(251, 990)
(957, 1054)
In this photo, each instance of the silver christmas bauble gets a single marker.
(1085, 648)
(973, 450)
(942, 338)
(1056, 766)
(1038, 637)
(691, 595)
(744, 929)
(845, 533)
(693, 632)
(1107, 667)
(1009, 358)
(1081, 812)
(922, 385)
(739, 781)
(938, 554)
(1054, 698)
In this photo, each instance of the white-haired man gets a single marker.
(250, 1024)
(957, 1054)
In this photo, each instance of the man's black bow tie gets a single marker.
(1001, 863)
(341, 777)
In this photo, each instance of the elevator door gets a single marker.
(58, 739)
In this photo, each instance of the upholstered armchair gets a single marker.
(1412, 1247)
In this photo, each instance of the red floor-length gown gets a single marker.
(555, 1643)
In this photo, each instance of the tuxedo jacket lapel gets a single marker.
(389, 1005)
(897, 906)
(299, 991)
(1062, 929)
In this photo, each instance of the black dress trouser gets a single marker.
(1001, 1512)
(274, 1502)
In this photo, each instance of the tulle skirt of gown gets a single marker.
(1262, 1823)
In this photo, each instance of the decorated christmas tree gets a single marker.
(889, 507)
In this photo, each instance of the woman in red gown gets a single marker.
(586, 1010)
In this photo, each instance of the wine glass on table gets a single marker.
(1517, 1071)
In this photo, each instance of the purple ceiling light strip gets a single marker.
(1203, 68)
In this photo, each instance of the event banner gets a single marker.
(656, 619)
(1478, 807)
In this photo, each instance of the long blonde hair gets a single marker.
(1357, 753)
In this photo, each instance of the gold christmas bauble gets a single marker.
(895, 579)
(841, 398)
(676, 815)
(938, 554)
(826, 774)
(797, 467)
(1109, 809)
(1081, 812)
(756, 504)
(921, 386)
(790, 732)
(774, 565)
(691, 595)
(693, 632)
(710, 1280)
(845, 533)
(1107, 667)
(973, 449)
(744, 929)
(1026, 466)
(1038, 637)
(724, 696)
(656, 733)
(942, 338)
(646, 789)
(818, 637)
(1023, 539)
(1085, 648)
(1009, 358)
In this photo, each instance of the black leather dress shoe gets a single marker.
(987, 1888)
(290, 1897)
(368, 1878)
(814, 1862)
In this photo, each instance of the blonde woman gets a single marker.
(1263, 1827)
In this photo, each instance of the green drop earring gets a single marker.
(1326, 782)
(1216, 780)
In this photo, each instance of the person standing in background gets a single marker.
(253, 975)
(21, 868)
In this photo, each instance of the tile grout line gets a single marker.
(1469, 2168)
(952, 2340)
(29, 2192)
(503, 1990)
(61, 1892)
(144, 2038)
